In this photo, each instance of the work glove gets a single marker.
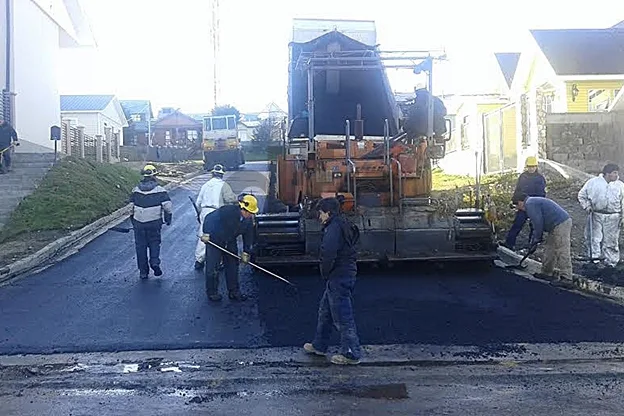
(168, 219)
(245, 258)
(588, 209)
(205, 238)
(622, 222)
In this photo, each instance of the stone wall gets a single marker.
(541, 114)
(585, 141)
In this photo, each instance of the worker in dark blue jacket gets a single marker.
(531, 183)
(338, 258)
(222, 227)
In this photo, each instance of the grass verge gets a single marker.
(74, 193)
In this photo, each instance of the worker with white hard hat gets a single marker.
(213, 195)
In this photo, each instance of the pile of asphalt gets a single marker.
(608, 275)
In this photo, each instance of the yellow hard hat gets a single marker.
(249, 203)
(149, 170)
(530, 161)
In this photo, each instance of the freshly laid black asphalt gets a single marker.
(94, 301)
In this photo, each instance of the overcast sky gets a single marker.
(160, 50)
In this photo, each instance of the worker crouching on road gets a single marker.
(150, 202)
(339, 268)
(213, 195)
(531, 183)
(222, 227)
(547, 216)
(602, 198)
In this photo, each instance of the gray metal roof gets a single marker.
(583, 51)
(85, 102)
(136, 107)
(508, 63)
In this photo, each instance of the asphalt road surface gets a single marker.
(94, 301)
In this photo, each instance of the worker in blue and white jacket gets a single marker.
(150, 203)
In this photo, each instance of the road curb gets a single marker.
(373, 355)
(579, 282)
(70, 244)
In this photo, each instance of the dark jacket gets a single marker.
(545, 215)
(7, 134)
(531, 184)
(227, 223)
(149, 202)
(339, 248)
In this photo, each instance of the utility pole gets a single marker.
(214, 32)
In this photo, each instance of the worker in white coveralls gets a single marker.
(213, 195)
(602, 198)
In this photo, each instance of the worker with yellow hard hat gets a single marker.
(221, 227)
(530, 183)
(151, 205)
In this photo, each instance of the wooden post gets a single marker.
(81, 141)
(98, 148)
(109, 148)
(66, 133)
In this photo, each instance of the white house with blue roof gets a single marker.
(95, 112)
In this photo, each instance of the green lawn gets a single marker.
(74, 193)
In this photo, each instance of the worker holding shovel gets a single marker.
(547, 216)
(221, 228)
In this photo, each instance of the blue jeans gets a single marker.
(336, 310)
(147, 237)
(516, 228)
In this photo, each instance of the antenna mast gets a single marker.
(214, 32)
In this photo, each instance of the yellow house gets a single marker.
(589, 62)
(563, 70)
(467, 112)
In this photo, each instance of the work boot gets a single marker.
(344, 360)
(238, 297)
(215, 297)
(562, 282)
(199, 265)
(157, 271)
(143, 276)
(547, 277)
(309, 348)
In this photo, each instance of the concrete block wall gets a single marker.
(585, 141)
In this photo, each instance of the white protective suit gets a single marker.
(213, 195)
(604, 203)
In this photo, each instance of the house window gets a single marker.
(192, 135)
(599, 100)
(136, 117)
(547, 102)
(167, 138)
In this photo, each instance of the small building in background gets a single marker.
(138, 116)
(97, 113)
(175, 129)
